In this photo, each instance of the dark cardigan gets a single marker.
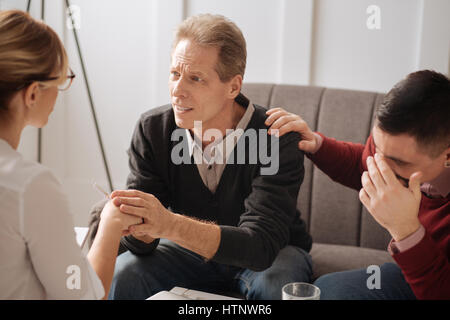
(257, 213)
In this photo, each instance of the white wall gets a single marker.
(347, 54)
(126, 46)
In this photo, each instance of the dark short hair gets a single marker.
(419, 106)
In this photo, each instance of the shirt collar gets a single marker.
(229, 138)
(439, 186)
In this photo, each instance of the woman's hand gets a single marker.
(283, 121)
(112, 218)
(141, 236)
(156, 218)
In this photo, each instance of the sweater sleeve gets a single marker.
(270, 209)
(429, 275)
(342, 161)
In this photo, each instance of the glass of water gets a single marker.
(300, 291)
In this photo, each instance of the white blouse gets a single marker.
(39, 255)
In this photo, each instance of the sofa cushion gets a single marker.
(329, 258)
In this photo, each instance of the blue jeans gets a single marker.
(170, 265)
(352, 285)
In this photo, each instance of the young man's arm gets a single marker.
(341, 161)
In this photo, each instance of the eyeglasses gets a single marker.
(68, 82)
(61, 87)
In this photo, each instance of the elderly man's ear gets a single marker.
(235, 86)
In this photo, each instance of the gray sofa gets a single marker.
(344, 233)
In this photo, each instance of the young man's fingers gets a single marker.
(282, 121)
(375, 174)
(385, 171)
(368, 185)
(290, 126)
(274, 116)
(364, 198)
(270, 111)
(414, 184)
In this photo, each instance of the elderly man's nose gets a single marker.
(179, 89)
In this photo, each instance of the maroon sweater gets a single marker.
(425, 266)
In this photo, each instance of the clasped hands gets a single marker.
(141, 214)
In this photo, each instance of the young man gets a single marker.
(402, 174)
(230, 227)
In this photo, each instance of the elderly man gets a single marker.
(213, 219)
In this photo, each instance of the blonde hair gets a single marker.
(29, 51)
(217, 31)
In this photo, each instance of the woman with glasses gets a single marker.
(39, 256)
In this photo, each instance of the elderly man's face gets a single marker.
(196, 91)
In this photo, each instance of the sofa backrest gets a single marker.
(332, 212)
